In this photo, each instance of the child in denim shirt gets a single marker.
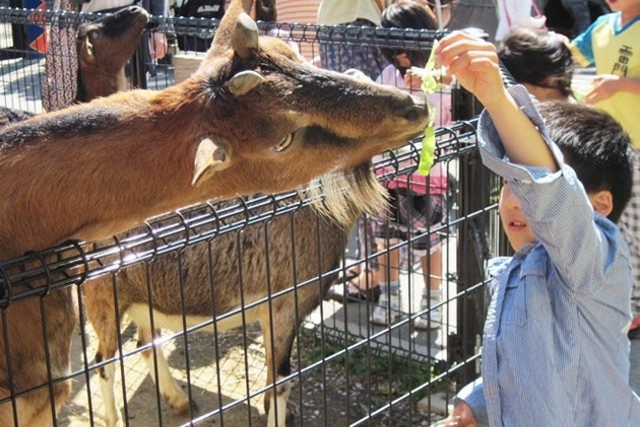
(555, 350)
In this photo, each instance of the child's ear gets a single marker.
(602, 202)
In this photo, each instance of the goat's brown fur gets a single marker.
(231, 272)
(96, 169)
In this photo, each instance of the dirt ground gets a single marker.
(331, 391)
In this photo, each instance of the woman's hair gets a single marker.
(539, 58)
(408, 14)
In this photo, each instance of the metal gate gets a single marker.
(274, 258)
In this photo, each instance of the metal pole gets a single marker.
(138, 72)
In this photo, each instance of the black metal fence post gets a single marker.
(138, 69)
(475, 195)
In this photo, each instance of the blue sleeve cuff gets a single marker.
(493, 152)
(473, 395)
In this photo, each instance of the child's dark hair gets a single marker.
(595, 146)
(538, 57)
(408, 14)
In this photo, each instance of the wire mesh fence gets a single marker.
(203, 315)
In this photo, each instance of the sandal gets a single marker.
(354, 293)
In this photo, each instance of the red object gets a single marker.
(36, 32)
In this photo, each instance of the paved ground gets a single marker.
(352, 318)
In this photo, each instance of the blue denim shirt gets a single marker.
(555, 350)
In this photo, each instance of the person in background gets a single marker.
(579, 11)
(369, 61)
(341, 57)
(59, 85)
(479, 14)
(612, 44)
(442, 11)
(514, 14)
(540, 61)
(555, 350)
(417, 203)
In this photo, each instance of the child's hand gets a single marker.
(413, 77)
(604, 86)
(475, 64)
(461, 416)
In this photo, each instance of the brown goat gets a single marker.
(231, 272)
(104, 47)
(253, 118)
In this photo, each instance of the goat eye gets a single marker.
(284, 143)
(93, 34)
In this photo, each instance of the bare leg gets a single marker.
(432, 294)
(432, 270)
(389, 307)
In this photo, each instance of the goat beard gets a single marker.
(343, 196)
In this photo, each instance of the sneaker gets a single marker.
(388, 309)
(430, 319)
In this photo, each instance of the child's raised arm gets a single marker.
(474, 62)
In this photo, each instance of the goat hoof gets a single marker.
(186, 408)
(180, 404)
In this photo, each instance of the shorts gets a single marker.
(413, 217)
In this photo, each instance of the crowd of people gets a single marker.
(562, 337)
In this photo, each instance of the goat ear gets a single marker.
(243, 82)
(210, 157)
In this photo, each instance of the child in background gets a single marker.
(555, 351)
(540, 61)
(417, 203)
(612, 43)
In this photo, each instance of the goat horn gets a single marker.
(243, 82)
(244, 39)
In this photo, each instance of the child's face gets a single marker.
(624, 5)
(515, 224)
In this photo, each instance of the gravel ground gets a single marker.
(331, 391)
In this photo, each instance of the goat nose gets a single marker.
(416, 111)
(412, 115)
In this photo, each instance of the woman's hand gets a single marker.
(604, 86)
(158, 45)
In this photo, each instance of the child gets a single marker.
(555, 350)
(540, 61)
(417, 203)
(612, 44)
